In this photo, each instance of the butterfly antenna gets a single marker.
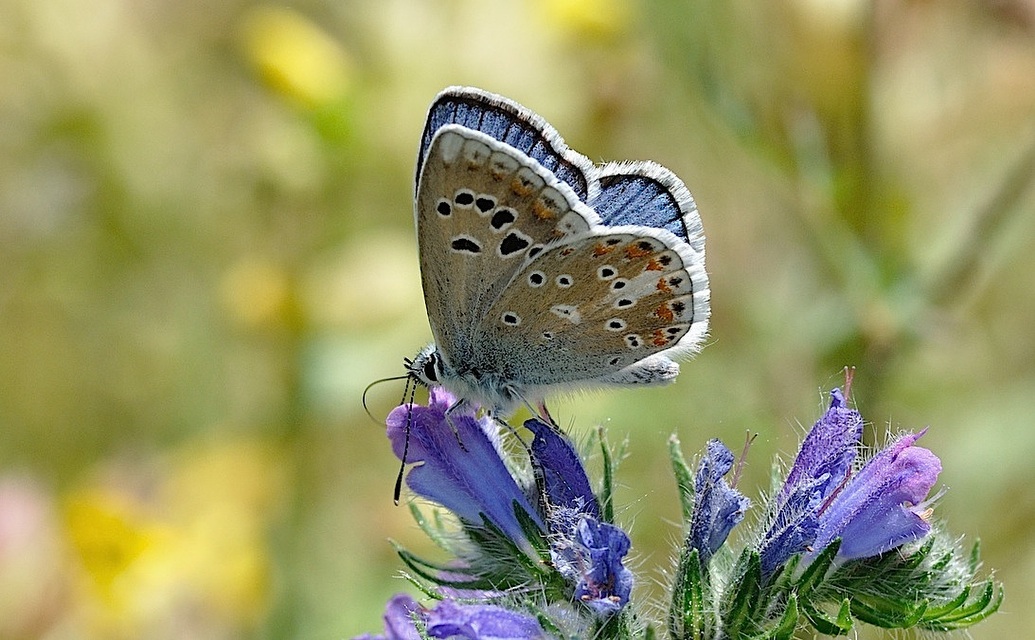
(411, 391)
(367, 390)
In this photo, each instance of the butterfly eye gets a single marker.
(429, 369)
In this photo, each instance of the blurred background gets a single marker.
(207, 251)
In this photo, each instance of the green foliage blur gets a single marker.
(207, 252)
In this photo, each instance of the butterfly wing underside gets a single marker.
(482, 209)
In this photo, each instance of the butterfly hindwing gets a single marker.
(590, 307)
(482, 209)
(648, 194)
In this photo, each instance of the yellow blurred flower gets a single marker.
(594, 19)
(190, 551)
(109, 534)
(296, 56)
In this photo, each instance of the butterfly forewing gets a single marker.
(482, 210)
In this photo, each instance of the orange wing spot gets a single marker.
(664, 313)
(659, 339)
(520, 187)
(543, 212)
(601, 249)
(567, 251)
(654, 265)
(632, 252)
(663, 285)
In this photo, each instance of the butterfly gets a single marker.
(543, 272)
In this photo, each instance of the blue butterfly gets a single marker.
(543, 272)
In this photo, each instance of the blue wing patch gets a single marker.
(633, 198)
(508, 122)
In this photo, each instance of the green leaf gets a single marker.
(686, 617)
(684, 478)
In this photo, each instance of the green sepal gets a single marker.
(743, 596)
(615, 627)
(431, 529)
(974, 560)
(684, 478)
(882, 612)
(687, 617)
(607, 508)
(837, 626)
(786, 625)
(812, 577)
(491, 539)
(431, 572)
(966, 615)
(533, 533)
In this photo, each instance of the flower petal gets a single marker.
(558, 465)
(878, 510)
(480, 622)
(827, 452)
(471, 480)
(717, 506)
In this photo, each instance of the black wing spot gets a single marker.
(512, 244)
(502, 218)
(466, 245)
(484, 203)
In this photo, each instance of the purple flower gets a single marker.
(878, 509)
(471, 481)
(586, 552)
(717, 506)
(883, 506)
(452, 620)
(821, 466)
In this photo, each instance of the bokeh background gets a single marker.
(206, 253)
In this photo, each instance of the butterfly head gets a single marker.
(427, 367)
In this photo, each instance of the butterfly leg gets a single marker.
(459, 405)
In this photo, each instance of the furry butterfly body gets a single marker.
(543, 272)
